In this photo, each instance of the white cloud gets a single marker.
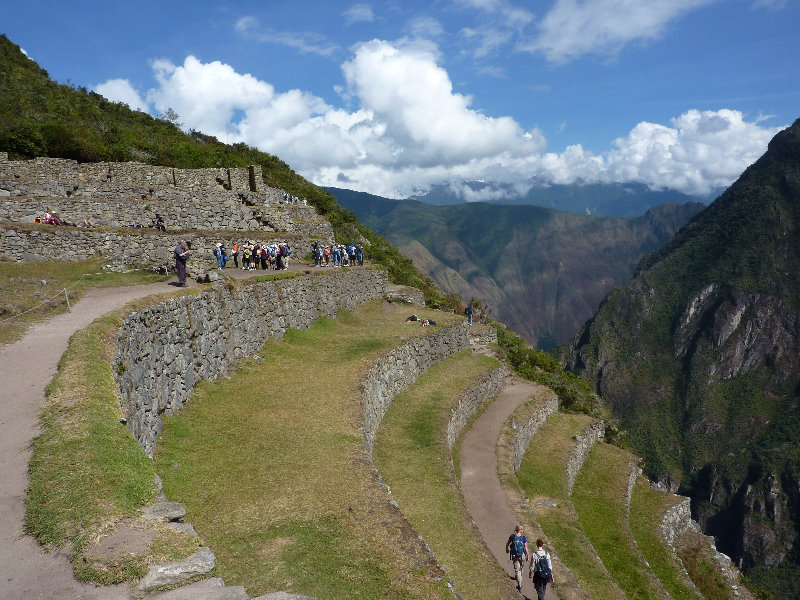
(307, 43)
(358, 13)
(574, 28)
(412, 131)
(425, 27)
(121, 90)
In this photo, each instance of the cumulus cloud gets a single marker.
(410, 130)
(121, 90)
(574, 28)
(358, 13)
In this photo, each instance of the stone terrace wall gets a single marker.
(400, 368)
(246, 179)
(525, 433)
(164, 351)
(216, 210)
(486, 388)
(125, 247)
(593, 434)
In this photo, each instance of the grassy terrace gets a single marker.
(412, 455)
(599, 499)
(87, 473)
(25, 300)
(270, 467)
(647, 510)
(543, 477)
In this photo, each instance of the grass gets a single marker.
(695, 551)
(25, 300)
(270, 467)
(599, 499)
(412, 454)
(86, 468)
(647, 510)
(543, 477)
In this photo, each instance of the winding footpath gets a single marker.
(483, 492)
(26, 367)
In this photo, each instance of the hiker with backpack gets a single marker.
(541, 569)
(517, 548)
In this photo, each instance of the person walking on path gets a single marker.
(541, 569)
(517, 548)
(182, 253)
(469, 312)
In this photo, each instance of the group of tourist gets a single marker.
(341, 255)
(289, 199)
(268, 256)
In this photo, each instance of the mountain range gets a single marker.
(699, 356)
(599, 199)
(542, 272)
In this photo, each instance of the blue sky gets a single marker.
(393, 97)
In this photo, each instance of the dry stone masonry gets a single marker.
(121, 195)
(486, 388)
(164, 351)
(580, 451)
(400, 368)
(525, 433)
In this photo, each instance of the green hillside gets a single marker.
(700, 358)
(39, 117)
(543, 272)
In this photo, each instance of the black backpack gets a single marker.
(542, 571)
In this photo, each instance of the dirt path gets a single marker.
(486, 500)
(26, 367)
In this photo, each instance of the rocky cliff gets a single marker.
(700, 358)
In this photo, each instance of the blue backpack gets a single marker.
(517, 546)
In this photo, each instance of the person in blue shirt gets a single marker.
(517, 548)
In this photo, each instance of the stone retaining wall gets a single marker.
(213, 211)
(400, 368)
(593, 434)
(162, 352)
(125, 247)
(486, 388)
(243, 179)
(525, 433)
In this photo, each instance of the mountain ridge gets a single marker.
(699, 356)
(543, 272)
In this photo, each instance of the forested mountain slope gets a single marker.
(542, 272)
(700, 358)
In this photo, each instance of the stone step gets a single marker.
(207, 589)
(199, 563)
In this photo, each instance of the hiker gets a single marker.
(517, 548)
(541, 569)
(158, 223)
(469, 312)
(235, 254)
(182, 253)
(218, 254)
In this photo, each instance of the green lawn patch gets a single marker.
(33, 292)
(86, 468)
(412, 455)
(599, 499)
(543, 477)
(271, 469)
(648, 507)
